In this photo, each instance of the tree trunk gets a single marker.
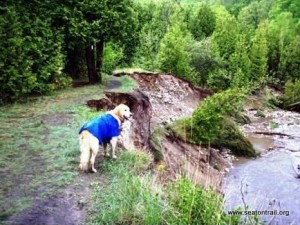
(99, 58)
(91, 64)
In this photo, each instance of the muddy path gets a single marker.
(40, 182)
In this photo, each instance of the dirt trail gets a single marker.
(40, 184)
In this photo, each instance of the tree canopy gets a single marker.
(219, 44)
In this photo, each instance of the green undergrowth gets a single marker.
(39, 149)
(228, 136)
(134, 195)
(212, 123)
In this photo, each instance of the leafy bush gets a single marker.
(210, 124)
(231, 137)
(112, 57)
(219, 80)
(204, 59)
(292, 93)
(207, 119)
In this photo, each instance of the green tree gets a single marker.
(16, 78)
(290, 63)
(259, 54)
(203, 23)
(92, 23)
(240, 64)
(155, 24)
(226, 33)
(173, 56)
(254, 13)
(280, 34)
(32, 58)
(204, 58)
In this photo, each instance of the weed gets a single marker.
(134, 196)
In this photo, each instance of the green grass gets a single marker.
(127, 84)
(133, 195)
(39, 145)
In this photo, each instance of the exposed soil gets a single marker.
(160, 100)
(171, 98)
(204, 166)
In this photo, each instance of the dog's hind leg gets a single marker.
(85, 152)
(94, 151)
(113, 142)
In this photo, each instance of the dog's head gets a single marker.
(123, 112)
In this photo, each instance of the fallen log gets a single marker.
(271, 133)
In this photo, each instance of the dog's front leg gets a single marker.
(113, 142)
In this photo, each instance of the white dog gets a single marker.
(101, 130)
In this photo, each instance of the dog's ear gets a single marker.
(117, 111)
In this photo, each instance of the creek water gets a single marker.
(270, 184)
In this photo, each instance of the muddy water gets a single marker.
(270, 182)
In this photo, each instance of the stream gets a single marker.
(269, 184)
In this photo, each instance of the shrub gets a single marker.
(112, 57)
(219, 80)
(194, 205)
(292, 93)
(210, 124)
(207, 119)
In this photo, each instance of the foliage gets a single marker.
(219, 80)
(259, 55)
(208, 118)
(204, 59)
(231, 137)
(173, 56)
(203, 23)
(225, 44)
(290, 63)
(32, 59)
(292, 93)
(253, 14)
(240, 64)
(280, 35)
(226, 33)
(112, 57)
(195, 205)
(154, 21)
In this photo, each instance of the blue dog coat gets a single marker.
(103, 128)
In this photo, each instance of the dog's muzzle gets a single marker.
(128, 117)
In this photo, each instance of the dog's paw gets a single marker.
(107, 154)
(114, 157)
(94, 170)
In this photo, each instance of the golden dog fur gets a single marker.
(89, 144)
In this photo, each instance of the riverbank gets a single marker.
(270, 182)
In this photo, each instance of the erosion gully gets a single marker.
(270, 182)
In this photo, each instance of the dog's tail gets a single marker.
(85, 150)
